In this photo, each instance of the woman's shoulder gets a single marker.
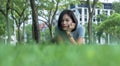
(56, 28)
(58, 31)
(81, 31)
(80, 27)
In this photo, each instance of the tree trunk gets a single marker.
(51, 34)
(99, 39)
(19, 36)
(7, 21)
(90, 38)
(24, 32)
(91, 9)
(106, 39)
(35, 29)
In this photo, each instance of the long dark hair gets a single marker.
(71, 15)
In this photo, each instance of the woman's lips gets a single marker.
(64, 26)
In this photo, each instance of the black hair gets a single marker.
(71, 15)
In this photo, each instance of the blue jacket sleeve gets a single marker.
(81, 31)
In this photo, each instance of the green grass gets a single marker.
(59, 55)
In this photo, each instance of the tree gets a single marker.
(91, 9)
(51, 10)
(116, 6)
(100, 19)
(18, 14)
(2, 25)
(4, 9)
(111, 25)
(35, 29)
(29, 32)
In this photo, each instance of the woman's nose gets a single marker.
(64, 22)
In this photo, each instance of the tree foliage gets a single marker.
(18, 14)
(111, 25)
(4, 9)
(2, 25)
(116, 6)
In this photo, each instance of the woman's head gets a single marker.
(65, 19)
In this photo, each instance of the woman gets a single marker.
(68, 30)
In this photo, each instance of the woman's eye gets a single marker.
(67, 20)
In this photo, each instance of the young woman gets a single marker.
(68, 30)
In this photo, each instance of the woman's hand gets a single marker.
(71, 26)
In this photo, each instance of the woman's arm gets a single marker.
(78, 41)
(81, 33)
(70, 37)
(59, 39)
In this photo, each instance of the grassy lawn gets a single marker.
(59, 55)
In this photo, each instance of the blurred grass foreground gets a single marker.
(59, 55)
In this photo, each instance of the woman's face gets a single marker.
(66, 21)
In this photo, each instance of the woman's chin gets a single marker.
(64, 29)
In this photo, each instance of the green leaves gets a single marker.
(111, 25)
(2, 25)
(116, 7)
